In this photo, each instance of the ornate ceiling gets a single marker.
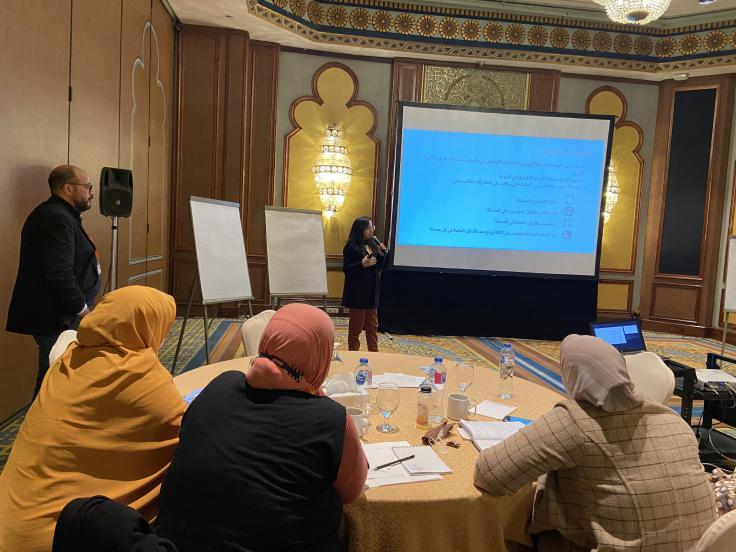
(572, 34)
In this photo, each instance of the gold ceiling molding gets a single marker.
(511, 37)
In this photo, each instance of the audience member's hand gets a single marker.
(368, 261)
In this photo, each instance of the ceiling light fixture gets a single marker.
(639, 12)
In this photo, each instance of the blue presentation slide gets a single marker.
(491, 191)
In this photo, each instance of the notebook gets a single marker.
(425, 460)
(624, 335)
(487, 434)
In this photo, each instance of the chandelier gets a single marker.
(332, 173)
(640, 12)
(612, 191)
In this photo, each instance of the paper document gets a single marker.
(402, 380)
(488, 434)
(383, 453)
(714, 375)
(491, 409)
(425, 460)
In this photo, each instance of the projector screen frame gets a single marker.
(397, 173)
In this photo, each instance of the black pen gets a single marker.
(399, 461)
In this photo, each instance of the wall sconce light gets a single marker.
(612, 193)
(332, 173)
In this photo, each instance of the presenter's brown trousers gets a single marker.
(363, 319)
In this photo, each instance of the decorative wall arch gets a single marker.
(333, 100)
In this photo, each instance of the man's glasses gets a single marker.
(88, 186)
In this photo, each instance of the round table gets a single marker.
(443, 515)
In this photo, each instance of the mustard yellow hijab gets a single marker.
(106, 421)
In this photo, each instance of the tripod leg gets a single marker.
(184, 324)
(217, 308)
(206, 336)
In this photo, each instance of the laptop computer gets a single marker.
(624, 335)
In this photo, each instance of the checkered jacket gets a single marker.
(608, 480)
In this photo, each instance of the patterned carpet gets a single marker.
(537, 361)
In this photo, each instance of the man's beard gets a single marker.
(82, 206)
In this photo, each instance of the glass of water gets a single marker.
(388, 401)
(464, 373)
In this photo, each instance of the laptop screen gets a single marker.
(625, 335)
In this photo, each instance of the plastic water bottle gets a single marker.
(425, 404)
(363, 380)
(506, 361)
(438, 377)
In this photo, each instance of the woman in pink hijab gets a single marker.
(613, 471)
(264, 461)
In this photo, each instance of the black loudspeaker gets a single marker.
(116, 192)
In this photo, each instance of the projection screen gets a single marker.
(499, 191)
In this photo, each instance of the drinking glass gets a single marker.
(371, 403)
(388, 401)
(464, 372)
(336, 366)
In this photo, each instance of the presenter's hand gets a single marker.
(368, 261)
(383, 247)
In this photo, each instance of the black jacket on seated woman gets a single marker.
(98, 524)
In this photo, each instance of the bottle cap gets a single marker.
(364, 361)
(438, 359)
(425, 388)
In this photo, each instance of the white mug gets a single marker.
(359, 419)
(459, 406)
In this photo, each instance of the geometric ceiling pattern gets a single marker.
(438, 30)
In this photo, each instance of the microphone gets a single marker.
(377, 244)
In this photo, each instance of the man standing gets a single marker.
(59, 271)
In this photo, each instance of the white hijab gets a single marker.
(594, 371)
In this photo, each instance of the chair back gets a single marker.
(652, 378)
(252, 329)
(65, 339)
(720, 536)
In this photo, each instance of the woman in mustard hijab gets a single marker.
(106, 421)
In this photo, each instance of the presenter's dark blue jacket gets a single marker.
(57, 273)
(361, 284)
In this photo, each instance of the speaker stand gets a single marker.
(114, 255)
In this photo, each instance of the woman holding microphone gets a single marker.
(363, 257)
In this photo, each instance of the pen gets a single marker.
(399, 461)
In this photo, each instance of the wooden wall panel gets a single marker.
(95, 108)
(263, 78)
(543, 89)
(614, 297)
(198, 128)
(34, 117)
(675, 302)
(234, 132)
(161, 118)
(49, 48)
(226, 142)
(671, 298)
(135, 62)
(406, 87)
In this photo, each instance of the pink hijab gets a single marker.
(295, 350)
(594, 371)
